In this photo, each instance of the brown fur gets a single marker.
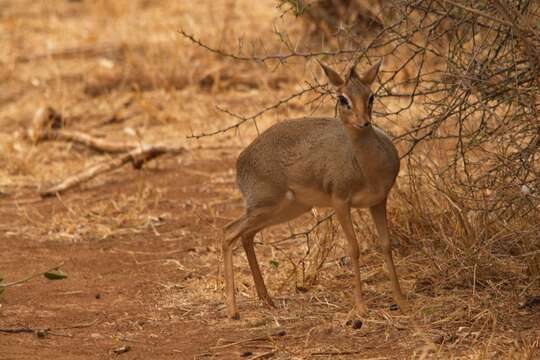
(316, 153)
(299, 164)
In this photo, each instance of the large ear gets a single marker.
(333, 76)
(369, 76)
(352, 74)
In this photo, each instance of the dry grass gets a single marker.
(465, 275)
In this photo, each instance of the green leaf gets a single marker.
(55, 275)
(274, 264)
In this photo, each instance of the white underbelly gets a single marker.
(309, 196)
(317, 198)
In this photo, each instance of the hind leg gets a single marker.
(288, 211)
(246, 227)
(247, 242)
(230, 234)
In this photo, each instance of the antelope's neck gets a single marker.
(375, 158)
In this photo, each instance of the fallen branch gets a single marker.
(137, 157)
(94, 143)
(47, 124)
(42, 332)
(18, 330)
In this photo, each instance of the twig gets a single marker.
(136, 341)
(79, 326)
(18, 330)
(48, 330)
(258, 338)
(306, 232)
(244, 119)
(264, 355)
(137, 157)
(47, 124)
(262, 58)
(92, 142)
(261, 338)
(488, 16)
(336, 353)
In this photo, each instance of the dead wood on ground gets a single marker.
(48, 125)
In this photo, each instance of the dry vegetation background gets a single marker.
(458, 92)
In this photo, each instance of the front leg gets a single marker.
(343, 213)
(378, 212)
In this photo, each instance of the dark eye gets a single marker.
(343, 101)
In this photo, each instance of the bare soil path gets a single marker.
(141, 289)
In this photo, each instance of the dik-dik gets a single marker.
(295, 165)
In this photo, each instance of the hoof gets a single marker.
(355, 324)
(354, 318)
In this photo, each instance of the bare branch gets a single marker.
(263, 58)
(137, 157)
(244, 119)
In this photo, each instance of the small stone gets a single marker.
(356, 324)
(281, 333)
(98, 296)
(246, 354)
(122, 349)
(41, 333)
(394, 307)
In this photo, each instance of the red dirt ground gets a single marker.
(131, 289)
(115, 290)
